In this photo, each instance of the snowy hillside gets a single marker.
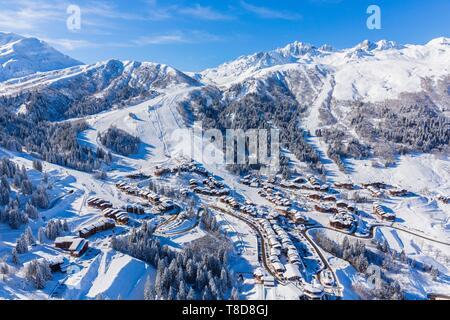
(20, 56)
(369, 71)
(88, 89)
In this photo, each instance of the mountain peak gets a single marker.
(21, 56)
(296, 49)
(8, 37)
(439, 41)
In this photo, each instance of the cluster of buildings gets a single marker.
(98, 226)
(134, 208)
(118, 215)
(326, 278)
(314, 290)
(249, 209)
(397, 192)
(108, 210)
(344, 185)
(381, 213)
(186, 166)
(99, 203)
(75, 245)
(276, 197)
(297, 217)
(209, 187)
(251, 181)
(229, 200)
(343, 220)
(162, 204)
(280, 243)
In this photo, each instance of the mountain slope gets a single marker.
(369, 71)
(375, 99)
(89, 89)
(20, 56)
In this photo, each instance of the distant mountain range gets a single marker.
(348, 96)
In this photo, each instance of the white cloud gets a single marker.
(22, 15)
(268, 13)
(204, 13)
(194, 36)
(71, 44)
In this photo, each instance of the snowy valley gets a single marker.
(100, 200)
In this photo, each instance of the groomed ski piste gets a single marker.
(421, 229)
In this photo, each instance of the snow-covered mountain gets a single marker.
(21, 56)
(88, 89)
(370, 71)
(245, 66)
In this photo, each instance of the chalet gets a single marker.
(118, 215)
(313, 180)
(299, 180)
(381, 213)
(202, 190)
(297, 217)
(98, 226)
(275, 252)
(249, 209)
(398, 192)
(314, 196)
(300, 218)
(377, 185)
(444, 199)
(282, 210)
(58, 263)
(201, 171)
(348, 186)
(153, 198)
(184, 192)
(133, 208)
(244, 181)
(161, 171)
(325, 209)
(121, 185)
(258, 275)
(165, 205)
(254, 184)
(342, 220)
(329, 198)
(76, 246)
(292, 272)
(269, 281)
(326, 278)
(274, 259)
(99, 203)
(288, 184)
(273, 215)
(278, 267)
(341, 204)
(374, 191)
(230, 201)
(262, 193)
(64, 242)
(314, 290)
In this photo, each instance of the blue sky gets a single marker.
(196, 34)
